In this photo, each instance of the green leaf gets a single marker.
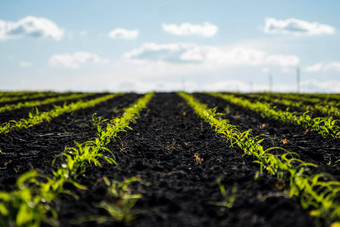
(4, 196)
(25, 177)
(3, 210)
(24, 215)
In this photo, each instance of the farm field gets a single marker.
(169, 159)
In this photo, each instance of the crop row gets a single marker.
(35, 198)
(326, 126)
(328, 108)
(317, 192)
(38, 118)
(320, 99)
(24, 97)
(24, 93)
(11, 107)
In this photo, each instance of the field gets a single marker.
(169, 159)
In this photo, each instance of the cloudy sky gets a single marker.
(233, 45)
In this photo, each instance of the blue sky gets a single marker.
(167, 45)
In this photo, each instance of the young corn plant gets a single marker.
(325, 126)
(20, 96)
(57, 111)
(78, 158)
(324, 106)
(120, 206)
(321, 195)
(229, 198)
(32, 203)
(20, 105)
(26, 206)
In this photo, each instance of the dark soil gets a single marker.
(23, 112)
(160, 150)
(311, 146)
(33, 99)
(283, 107)
(274, 104)
(36, 147)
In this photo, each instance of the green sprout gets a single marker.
(38, 118)
(122, 200)
(34, 200)
(315, 192)
(229, 198)
(325, 126)
(26, 206)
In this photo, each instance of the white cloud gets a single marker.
(121, 33)
(296, 27)
(76, 59)
(187, 53)
(324, 86)
(185, 29)
(330, 66)
(315, 68)
(35, 27)
(83, 33)
(26, 64)
(265, 70)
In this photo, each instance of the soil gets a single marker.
(32, 99)
(36, 147)
(160, 150)
(279, 106)
(311, 146)
(23, 112)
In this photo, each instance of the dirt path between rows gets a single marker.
(160, 150)
(23, 112)
(36, 147)
(311, 146)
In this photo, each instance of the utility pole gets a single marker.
(270, 83)
(298, 79)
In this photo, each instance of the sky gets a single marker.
(156, 45)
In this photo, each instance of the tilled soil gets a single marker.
(160, 150)
(23, 112)
(282, 107)
(36, 147)
(33, 99)
(311, 146)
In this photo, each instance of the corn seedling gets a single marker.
(229, 198)
(24, 97)
(26, 206)
(316, 193)
(19, 105)
(122, 200)
(119, 205)
(324, 106)
(326, 126)
(32, 203)
(38, 118)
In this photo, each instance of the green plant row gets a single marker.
(324, 107)
(35, 198)
(19, 105)
(32, 96)
(38, 118)
(320, 99)
(23, 93)
(316, 193)
(326, 126)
